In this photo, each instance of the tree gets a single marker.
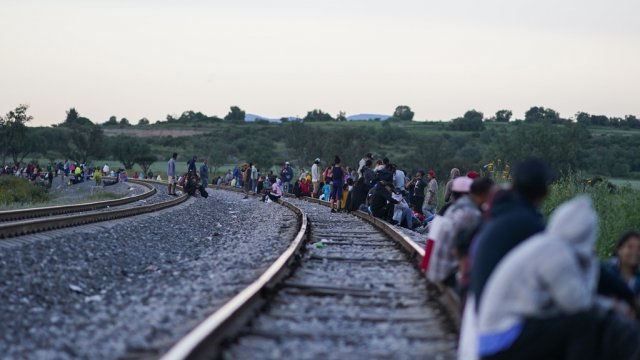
(539, 113)
(85, 142)
(73, 118)
(402, 113)
(583, 118)
(124, 122)
(503, 115)
(14, 134)
(342, 116)
(560, 145)
(471, 121)
(317, 115)
(129, 151)
(145, 158)
(632, 121)
(112, 121)
(235, 114)
(143, 121)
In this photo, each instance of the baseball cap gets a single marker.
(461, 184)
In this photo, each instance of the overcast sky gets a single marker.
(279, 58)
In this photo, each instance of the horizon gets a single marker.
(150, 59)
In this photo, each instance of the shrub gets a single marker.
(18, 190)
(618, 208)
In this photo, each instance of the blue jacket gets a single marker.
(513, 219)
(287, 174)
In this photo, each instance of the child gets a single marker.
(326, 191)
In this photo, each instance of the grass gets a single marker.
(618, 210)
(16, 191)
(101, 196)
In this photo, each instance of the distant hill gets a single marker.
(357, 117)
(365, 117)
(254, 117)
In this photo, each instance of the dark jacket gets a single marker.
(357, 196)
(513, 220)
(379, 200)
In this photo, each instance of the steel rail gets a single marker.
(12, 215)
(56, 222)
(205, 340)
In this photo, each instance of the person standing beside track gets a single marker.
(337, 174)
(204, 173)
(246, 180)
(315, 177)
(171, 174)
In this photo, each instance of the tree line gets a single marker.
(467, 142)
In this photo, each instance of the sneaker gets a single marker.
(333, 210)
(245, 197)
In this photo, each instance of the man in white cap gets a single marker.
(315, 177)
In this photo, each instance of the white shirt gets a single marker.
(105, 169)
(315, 173)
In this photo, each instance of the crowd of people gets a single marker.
(528, 290)
(73, 172)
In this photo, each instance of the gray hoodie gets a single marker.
(447, 188)
(553, 272)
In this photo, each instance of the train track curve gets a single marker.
(56, 217)
(347, 287)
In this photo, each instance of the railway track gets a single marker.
(49, 218)
(13, 215)
(347, 287)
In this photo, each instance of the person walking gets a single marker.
(171, 174)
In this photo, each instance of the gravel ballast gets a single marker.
(133, 287)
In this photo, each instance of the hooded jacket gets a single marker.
(551, 273)
(447, 188)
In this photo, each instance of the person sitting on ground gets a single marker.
(626, 264)
(514, 218)
(305, 187)
(382, 203)
(402, 213)
(326, 191)
(275, 192)
(345, 194)
(368, 174)
(540, 301)
(357, 195)
(439, 261)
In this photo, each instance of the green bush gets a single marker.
(17, 190)
(618, 208)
